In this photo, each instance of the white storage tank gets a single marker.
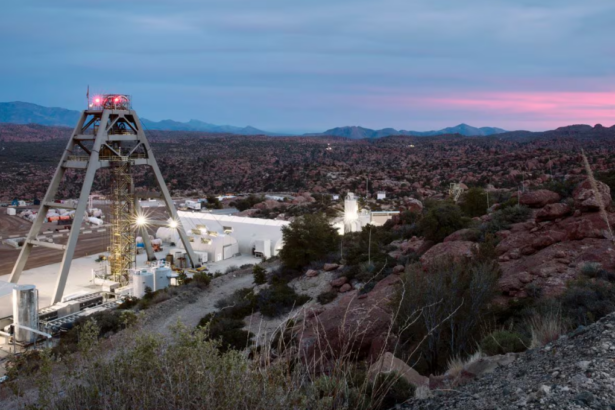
(25, 312)
(140, 280)
(11, 211)
(161, 277)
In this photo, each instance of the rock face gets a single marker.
(350, 321)
(546, 255)
(457, 250)
(460, 235)
(415, 245)
(413, 205)
(538, 199)
(586, 199)
(331, 266)
(574, 372)
(336, 283)
(311, 273)
(389, 363)
(552, 212)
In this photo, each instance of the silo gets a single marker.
(25, 312)
(161, 277)
(141, 280)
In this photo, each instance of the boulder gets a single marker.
(346, 287)
(349, 324)
(551, 212)
(388, 363)
(336, 283)
(457, 250)
(311, 273)
(331, 266)
(539, 198)
(415, 245)
(398, 269)
(413, 205)
(460, 235)
(586, 199)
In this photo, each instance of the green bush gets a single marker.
(260, 274)
(227, 330)
(238, 305)
(394, 390)
(326, 297)
(474, 202)
(201, 279)
(444, 307)
(307, 239)
(278, 300)
(441, 221)
(502, 342)
(586, 301)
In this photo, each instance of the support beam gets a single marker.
(49, 245)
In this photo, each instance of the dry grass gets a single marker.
(457, 364)
(546, 327)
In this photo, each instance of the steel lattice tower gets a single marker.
(108, 134)
(122, 250)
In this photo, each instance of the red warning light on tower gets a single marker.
(111, 102)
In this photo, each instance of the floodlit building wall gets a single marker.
(247, 231)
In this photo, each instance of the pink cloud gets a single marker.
(549, 108)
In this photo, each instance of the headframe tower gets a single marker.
(110, 135)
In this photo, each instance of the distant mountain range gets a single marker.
(360, 132)
(27, 113)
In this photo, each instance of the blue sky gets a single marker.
(300, 66)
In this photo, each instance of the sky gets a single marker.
(309, 65)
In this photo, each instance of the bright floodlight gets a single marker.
(173, 224)
(141, 220)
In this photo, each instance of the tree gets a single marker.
(474, 202)
(452, 299)
(259, 274)
(307, 239)
(441, 221)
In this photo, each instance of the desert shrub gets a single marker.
(201, 279)
(231, 269)
(228, 331)
(160, 297)
(441, 221)
(503, 218)
(395, 390)
(594, 270)
(474, 202)
(326, 297)
(238, 305)
(450, 300)
(502, 342)
(278, 300)
(260, 274)
(586, 301)
(246, 265)
(306, 239)
(368, 287)
(563, 187)
(128, 302)
(546, 327)
(283, 275)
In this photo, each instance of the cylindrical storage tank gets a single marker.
(25, 312)
(95, 221)
(161, 280)
(141, 280)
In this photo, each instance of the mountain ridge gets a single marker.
(358, 132)
(18, 112)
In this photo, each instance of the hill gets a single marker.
(18, 112)
(355, 132)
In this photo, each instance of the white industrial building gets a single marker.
(224, 236)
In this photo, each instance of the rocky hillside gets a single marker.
(575, 372)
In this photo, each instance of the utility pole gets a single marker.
(369, 248)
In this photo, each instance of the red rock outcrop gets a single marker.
(539, 198)
(456, 250)
(586, 199)
(351, 322)
(552, 212)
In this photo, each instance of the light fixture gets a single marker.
(173, 224)
(141, 220)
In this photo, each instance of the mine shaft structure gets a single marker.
(109, 134)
